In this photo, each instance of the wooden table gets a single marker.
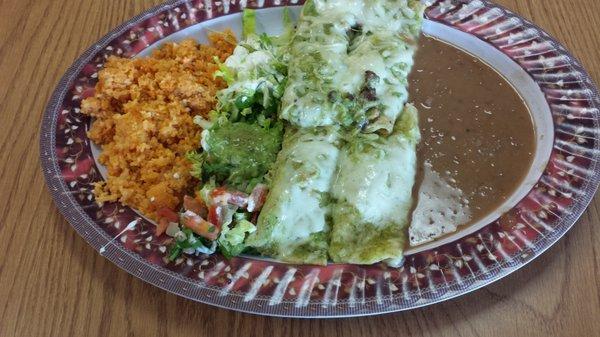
(53, 284)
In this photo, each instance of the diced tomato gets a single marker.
(221, 195)
(161, 227)
(215, 215)
(218, 192)
(168, 213)
(194, 205)
(200, 226)
(257, 198)
(254, 218)
(238, 199)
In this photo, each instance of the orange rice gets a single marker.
(144, 110)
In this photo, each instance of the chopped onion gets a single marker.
(173, 229)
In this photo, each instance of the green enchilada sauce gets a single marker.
(347, 76)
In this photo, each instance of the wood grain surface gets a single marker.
(53, 284)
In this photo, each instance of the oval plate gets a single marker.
(544, 214)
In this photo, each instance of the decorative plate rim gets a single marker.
(190, 288)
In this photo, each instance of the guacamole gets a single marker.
(240, 154)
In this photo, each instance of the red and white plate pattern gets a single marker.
(261, 286)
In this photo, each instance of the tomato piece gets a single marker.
(168, 213)
(217, 192)
(254, 218)
(194, 205)
(257, 198)
(214, 215)
(222, 196)
(200, 226)
(161, 227)
(238, 199)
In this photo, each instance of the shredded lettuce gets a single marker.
(231, 240)
(224, 72)
(206, 189)
(256, 77)
(288, 29)
(248, 22)
(197, 160)
(241, 139)
(288, 22)
(242, 136)
(188, 242)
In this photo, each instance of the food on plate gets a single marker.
(243, 135)
(478, 140)
(350, 62)
(373, 193)
(305, 146)
(344, 66)
(294, 224)
(377, 167)
(240, 142)
(143, 111)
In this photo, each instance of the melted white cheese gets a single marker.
(378, 183)
(352, 76)
(308, 166)
(325, 59)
